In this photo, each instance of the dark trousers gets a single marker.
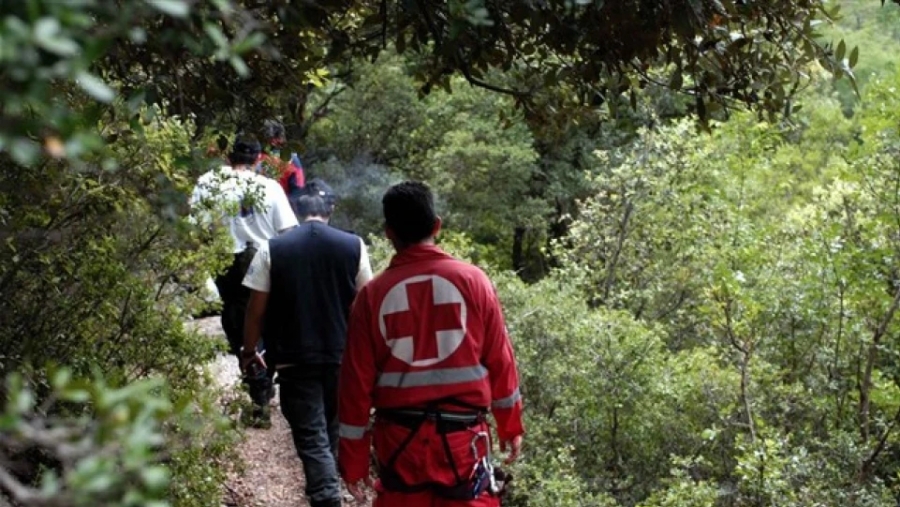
(235, 298)
(309, 403)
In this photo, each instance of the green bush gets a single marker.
(99, 445)
(104, 270)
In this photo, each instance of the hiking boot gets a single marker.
(259, 417)
(326, 503)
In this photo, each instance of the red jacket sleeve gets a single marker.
(357, 382)
(498, 358)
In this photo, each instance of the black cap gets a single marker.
(317, 187)
(246, 147)
(245, 151)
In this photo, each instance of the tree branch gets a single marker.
(866, 467)
(623, 233)
(865, 384)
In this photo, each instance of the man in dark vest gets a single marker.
(303, 284)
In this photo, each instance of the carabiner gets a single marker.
(487, 445)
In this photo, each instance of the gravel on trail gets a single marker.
(272, 474)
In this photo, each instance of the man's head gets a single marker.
(244, 151)
(273, 133)
(308, 207)
(409, 215)
(317, 187)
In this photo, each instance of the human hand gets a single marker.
(358, 490)
(252, 361)
(514, 447)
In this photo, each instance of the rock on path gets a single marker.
(272, 474)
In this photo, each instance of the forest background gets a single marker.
(701, 282)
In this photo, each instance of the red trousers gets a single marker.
(425, 460)
(428, 499)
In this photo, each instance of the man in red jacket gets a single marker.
(427, 348)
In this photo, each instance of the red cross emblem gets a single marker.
(422, 319)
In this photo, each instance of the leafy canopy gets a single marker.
(719, 52)
(578, 52)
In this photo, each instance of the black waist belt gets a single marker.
(446, 422)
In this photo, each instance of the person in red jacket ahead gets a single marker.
(289, 174)
(427, 348)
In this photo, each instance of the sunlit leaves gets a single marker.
(55, 47)
(776, 247)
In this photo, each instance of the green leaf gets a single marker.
(75, 395)
(224, 6)
(24, 151)
(45, 28)
(61, 378)
(841, 49)
(47, 36)
(156, 477)
(175, 8)
(854, 57)
(24, 401)
(252, 42)
(239, 66)
(215, 34)
(95, 87)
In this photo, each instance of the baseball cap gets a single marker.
(317, 187)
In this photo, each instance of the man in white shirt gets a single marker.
(255, 209)
(303, 285)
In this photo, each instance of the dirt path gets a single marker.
(272, 475)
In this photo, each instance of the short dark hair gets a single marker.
(244, 151)
(272, 129)
(307, 206)
(409, 211)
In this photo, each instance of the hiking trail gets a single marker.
(271, 474)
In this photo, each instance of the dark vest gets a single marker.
(314, 268)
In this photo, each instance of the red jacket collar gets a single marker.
(418, 253)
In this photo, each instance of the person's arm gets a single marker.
(253, 323)
(498, 358)
(283, 217)
(364, 273)
(357, 383)
(258, 280)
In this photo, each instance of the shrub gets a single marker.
(102, 276)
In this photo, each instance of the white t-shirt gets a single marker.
(253, 206)
(259, 276)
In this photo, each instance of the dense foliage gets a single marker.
(557, 54)
(97, 264)
(721, 326)
(761, 261)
